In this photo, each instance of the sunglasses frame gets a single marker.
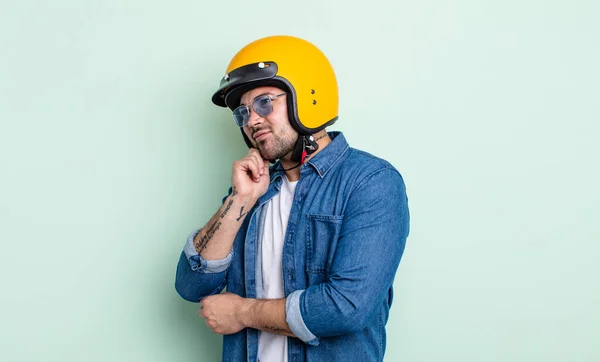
(249, 110)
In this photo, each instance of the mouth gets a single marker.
(260, 135)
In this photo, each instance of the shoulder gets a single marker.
(365, 165)
(371, 182)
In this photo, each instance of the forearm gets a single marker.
(215, 240)
(266, 315)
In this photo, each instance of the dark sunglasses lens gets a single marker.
(263, 106)
(241, 115)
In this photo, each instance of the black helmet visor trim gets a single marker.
(240, 76)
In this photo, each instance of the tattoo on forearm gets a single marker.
(279, 331)
(227, 208)
(242, 214)
(274, 330)
(202, 242)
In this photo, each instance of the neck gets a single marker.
(322, 139)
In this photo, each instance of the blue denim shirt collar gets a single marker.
(323, 161)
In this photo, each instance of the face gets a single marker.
(272, 134)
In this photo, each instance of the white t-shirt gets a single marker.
(273, 347)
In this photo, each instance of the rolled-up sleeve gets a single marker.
(196, 277)
(293, 317)
(198, 263)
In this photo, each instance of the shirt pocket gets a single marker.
(322, 236)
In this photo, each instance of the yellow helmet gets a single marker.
(290, 63)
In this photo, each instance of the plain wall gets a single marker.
(111, 153)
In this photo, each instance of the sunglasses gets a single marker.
(262, 105)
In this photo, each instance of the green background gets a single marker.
(111, 153)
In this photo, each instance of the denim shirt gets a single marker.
(345, 237)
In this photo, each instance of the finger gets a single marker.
(259, 160)
(261, 165)
(248, 166)
(266, 165)
(252, 165)
(254, 151)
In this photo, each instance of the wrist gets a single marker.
(246, 200)
(247, 312)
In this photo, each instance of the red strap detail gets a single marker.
(304, 154)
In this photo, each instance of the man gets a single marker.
(307, 248)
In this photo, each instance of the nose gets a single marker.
(254, 119)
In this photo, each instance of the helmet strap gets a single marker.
(305, 146)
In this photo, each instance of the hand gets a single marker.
(250, 176)
(223, 312)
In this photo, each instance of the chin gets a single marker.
(264, 153)
(268, 156)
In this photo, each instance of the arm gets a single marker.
(371, 243)
(215, 240)
(250, 180)
(229, 313)
(211, 246)
(267, 315)
(207, 254)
